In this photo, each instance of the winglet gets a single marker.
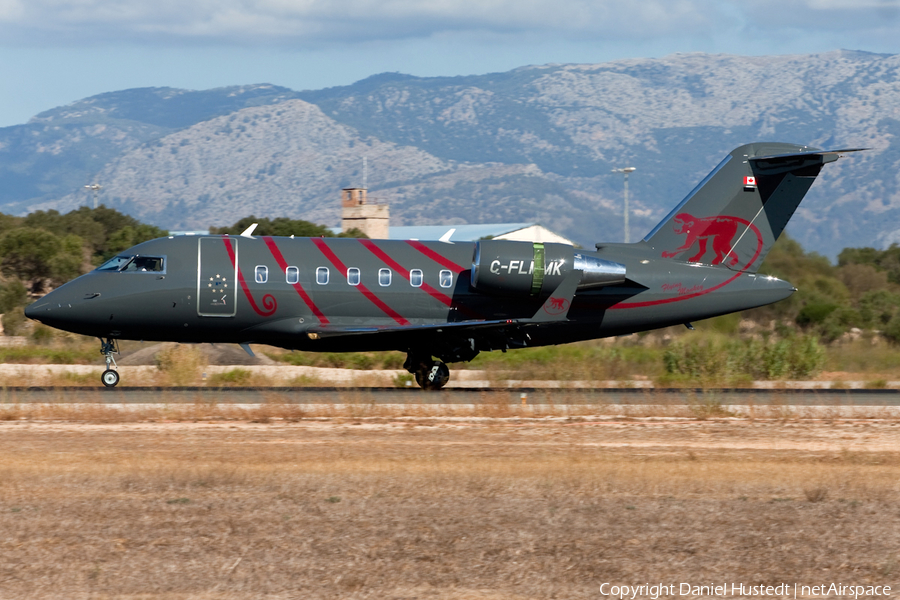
(248, 233)
(556, 307)
(446, 237)
(247, 349)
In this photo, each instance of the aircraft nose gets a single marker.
(41, 309)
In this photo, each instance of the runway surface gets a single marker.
(407, 396)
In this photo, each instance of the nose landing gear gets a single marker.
(110, 378)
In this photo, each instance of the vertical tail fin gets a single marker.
(736, 213)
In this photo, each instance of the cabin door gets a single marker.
(217, 268)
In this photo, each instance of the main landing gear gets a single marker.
(110, 377)
(430, 374)
(433, 376)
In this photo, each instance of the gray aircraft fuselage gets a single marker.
(169, 306)
(450, 300)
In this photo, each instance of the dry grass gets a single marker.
(440, 508)
(181, 364)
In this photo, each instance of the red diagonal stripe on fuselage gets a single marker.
(279, 258)
(331, 256)
(446, 262)
(441, 260)
(374, 249)
(268, 300)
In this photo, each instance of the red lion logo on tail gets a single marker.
(720, 229)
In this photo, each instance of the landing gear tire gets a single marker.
(110, 378)
(432, 376)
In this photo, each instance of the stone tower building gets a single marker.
(356, 212)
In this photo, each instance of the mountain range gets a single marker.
(538, 143)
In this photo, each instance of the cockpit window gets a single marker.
(135, 264)
(114, 264)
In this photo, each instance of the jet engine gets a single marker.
(535, 269)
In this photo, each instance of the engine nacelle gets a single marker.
(535, 269)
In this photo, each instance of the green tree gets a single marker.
(282, 226)
(67, 263)
(101, 229)
(878, 307)
(887, 260)
(12, 294)
(38, 256)
(814, 276)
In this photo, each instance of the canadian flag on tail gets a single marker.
(750, 181)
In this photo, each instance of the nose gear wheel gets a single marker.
(110, 378)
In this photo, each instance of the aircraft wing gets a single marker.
(554, 309)
(327, 331)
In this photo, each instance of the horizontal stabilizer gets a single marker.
(795, 155)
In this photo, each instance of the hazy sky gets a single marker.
(57, 51)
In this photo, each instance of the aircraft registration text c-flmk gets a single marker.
(442, 302)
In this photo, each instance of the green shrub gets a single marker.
(56, 356)
(891, 331)
(12, 294)
(839, 322)
(403, 380)
(42, 335)
(237, 377)
(815, 313)
(878, 307)
(14, 321)
(715, 360)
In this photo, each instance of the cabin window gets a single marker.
(322, 275)
(353, 276)
(292, 275)
(446, 279)
(262, 273)
(384, 277)
(135, 264)
(415, 278)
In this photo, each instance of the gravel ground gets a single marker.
(484, 509)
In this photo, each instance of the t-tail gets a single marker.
(735, 215)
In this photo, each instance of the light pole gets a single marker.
(94, 187)
(626, 171)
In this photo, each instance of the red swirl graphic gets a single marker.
(268, 301)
